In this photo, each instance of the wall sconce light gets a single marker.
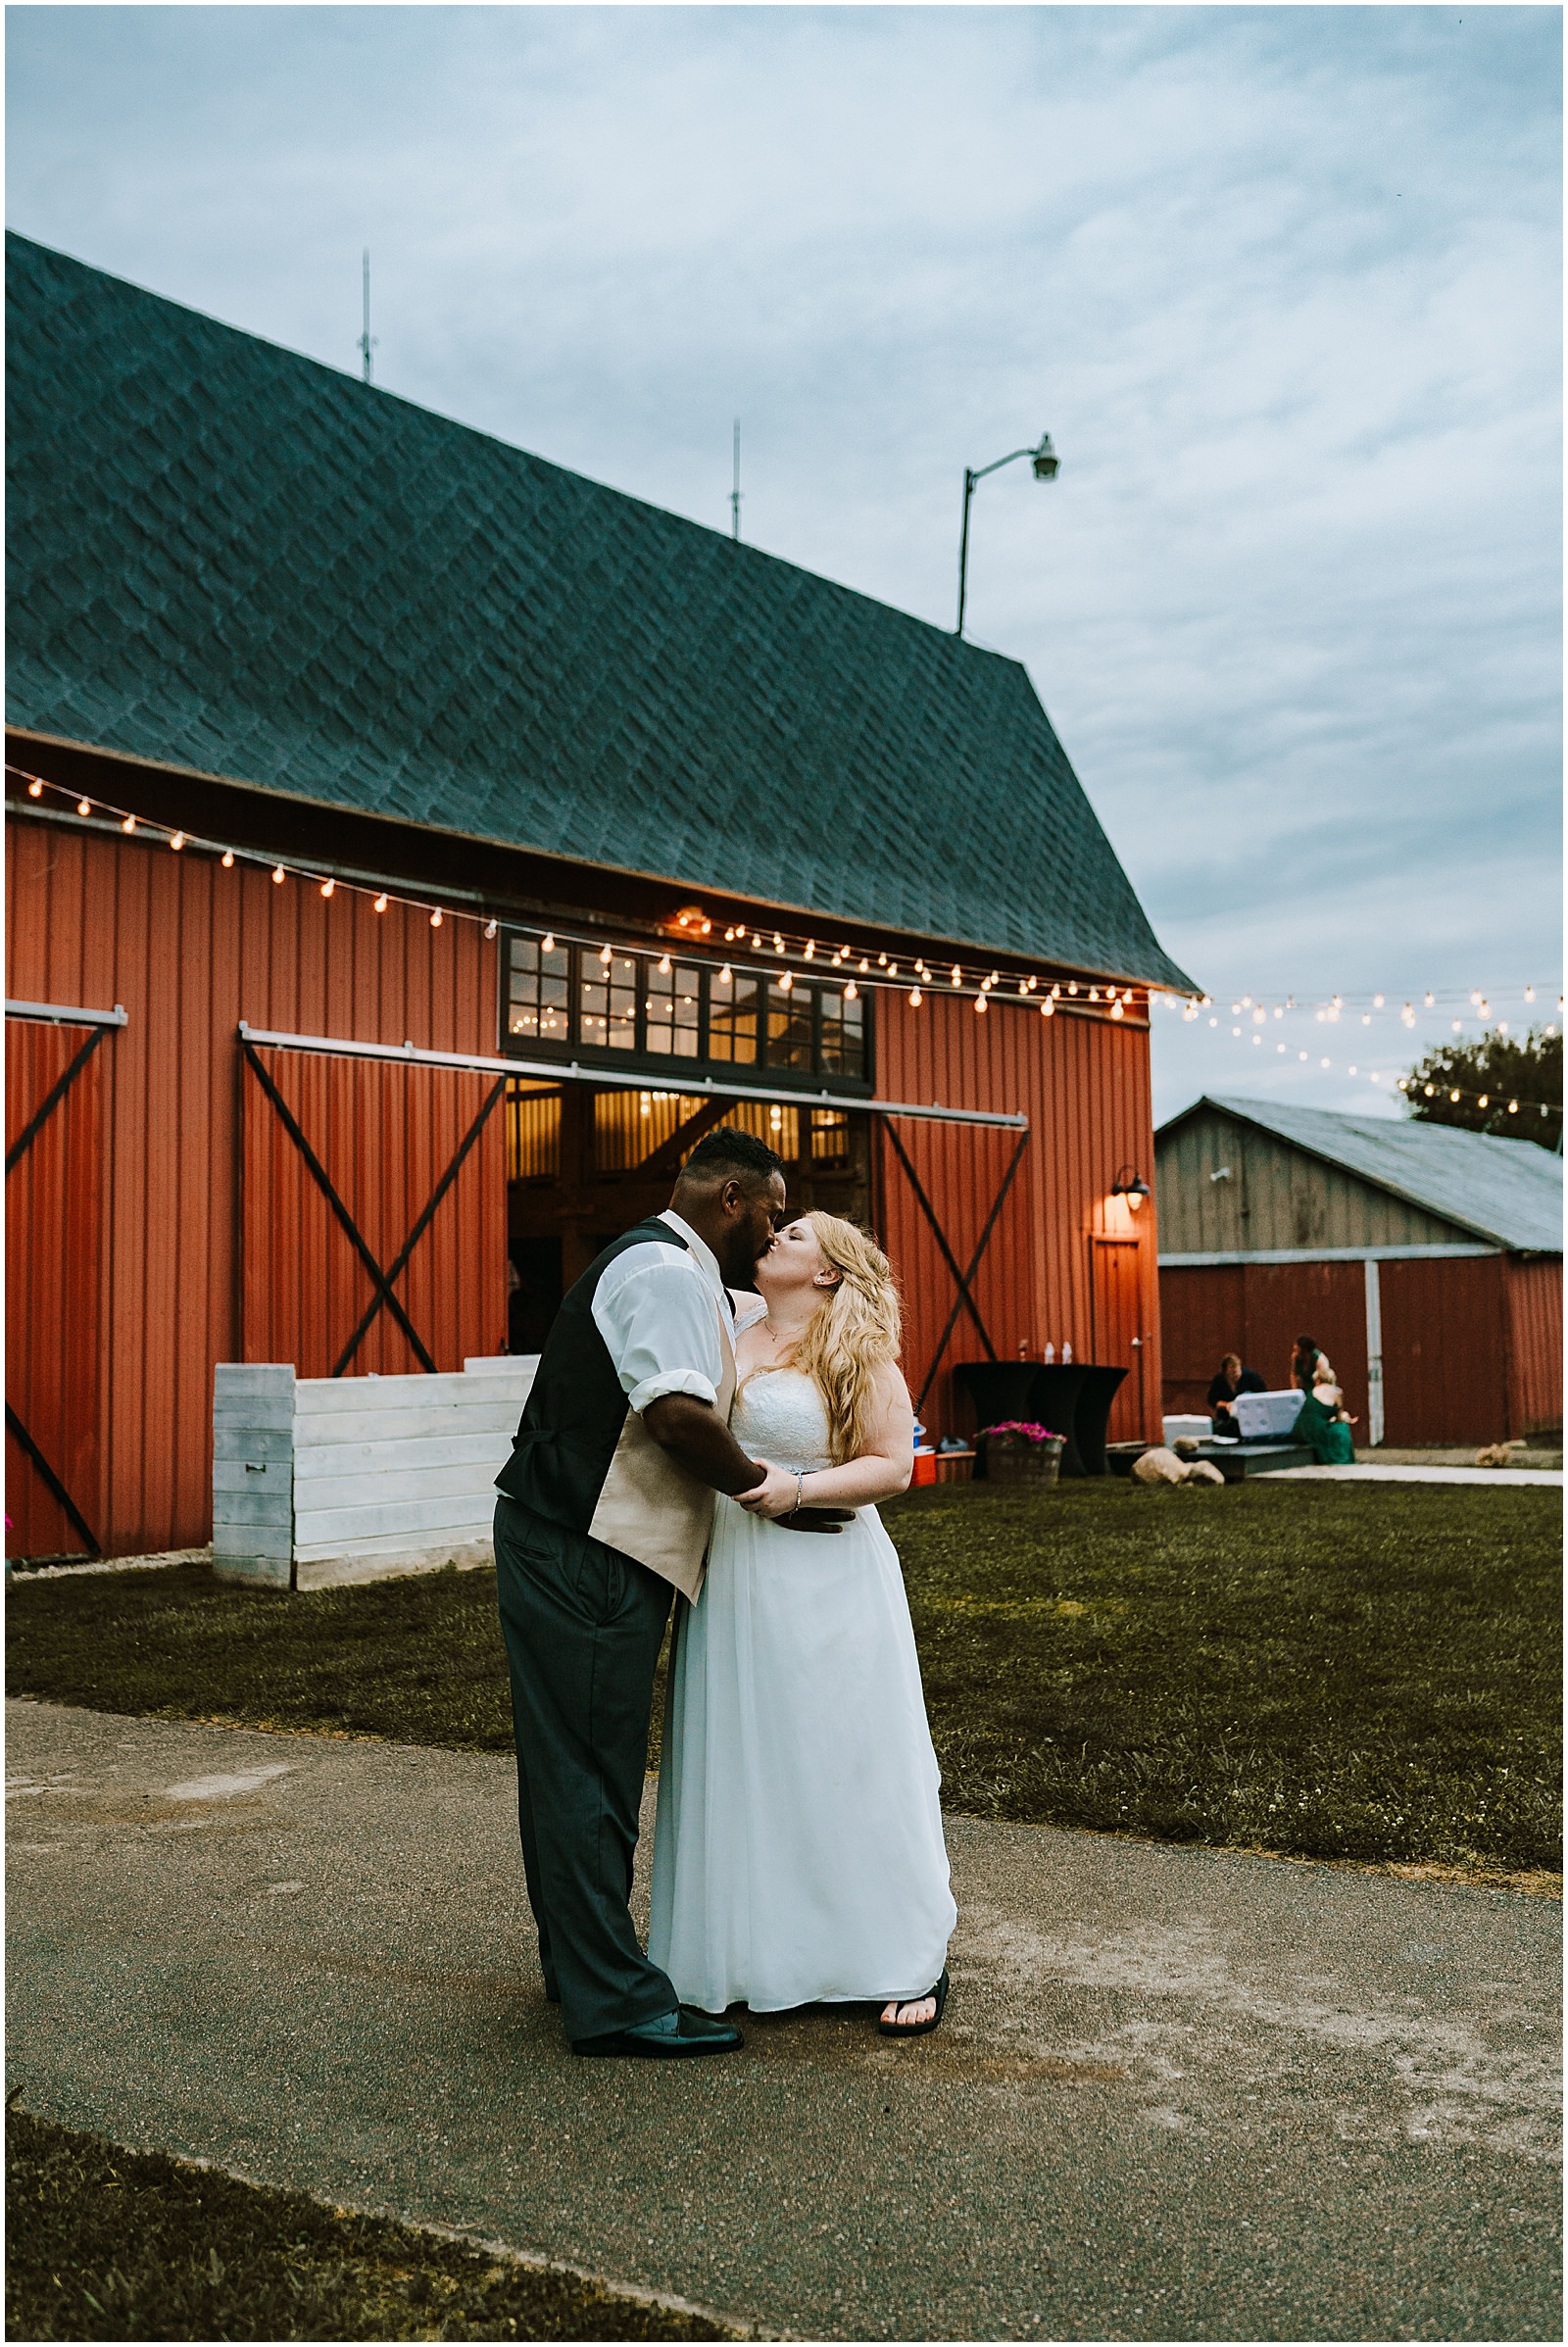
(1130, 1185)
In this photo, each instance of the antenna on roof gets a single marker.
(367, 341)
(735, 492)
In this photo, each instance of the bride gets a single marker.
(799, 1856)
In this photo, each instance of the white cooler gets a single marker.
(1267, 1414)
(1189, 1427)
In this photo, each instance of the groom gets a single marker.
(606, 1506)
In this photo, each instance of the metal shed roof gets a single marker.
(233, 560)
(1508, 1192)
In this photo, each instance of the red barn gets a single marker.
(414, 847)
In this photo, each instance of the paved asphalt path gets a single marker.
(1180, 2094)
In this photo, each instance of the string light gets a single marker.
(277, 875)
(491, 928)
(724, 975)
(605, 953)
(916, 998)
(664, 966)
(227, 859)
(1048, 1009)
(981, 1004)
(35, 790)
(852, 992)
(958, 975)
(381, 902)
(327, 887)
(436, 918)
(1116, 1012)
(129, 825)
(84, 806)
(549, 945)
(177, 842)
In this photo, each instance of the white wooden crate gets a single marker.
(321, 1479)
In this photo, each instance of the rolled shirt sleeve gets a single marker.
(661, 1325)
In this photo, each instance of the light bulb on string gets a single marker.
(36, 788)
(381, 902)
(958, 975)
(84, 806)
(916, 998)
(1048, 1009)
(852, 992)
(130, 823)
(277, 875)
(491, 928)
(864, 965)
(724, 978)
(604, 954)
(980, 1002)
(549, 945)
(177, 842)
(664, 966)
(1530, 994)
(227, 859)
(436, 918)
(1116, 1012)
(327, 887)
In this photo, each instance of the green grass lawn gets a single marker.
(110, 2244)
(1336, 1670)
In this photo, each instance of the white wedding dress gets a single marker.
(798, 1855)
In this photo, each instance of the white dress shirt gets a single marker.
(664, 1313)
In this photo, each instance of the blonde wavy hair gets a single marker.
(854, 1332)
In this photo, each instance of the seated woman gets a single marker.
(1324, 1423)
(1223, 1389)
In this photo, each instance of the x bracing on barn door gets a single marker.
(102, 1023)
(382, 1281)
(964, 1279)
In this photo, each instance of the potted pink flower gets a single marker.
(1018, 1452)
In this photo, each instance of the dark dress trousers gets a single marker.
(583, 1623)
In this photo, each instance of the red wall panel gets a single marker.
(54, 1224)
(1533, 1300)
(1445, 1351)
(1083, 1083)
(1472, 1346)
(191, 950)
(386, 1135)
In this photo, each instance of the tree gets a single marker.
(1509, 1085)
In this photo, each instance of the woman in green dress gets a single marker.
(1324, 1423)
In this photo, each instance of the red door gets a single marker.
(374, 1214)
(54, 1225)
(1121, 1339)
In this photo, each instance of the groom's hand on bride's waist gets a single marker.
(777, 1497)
(691, 1431)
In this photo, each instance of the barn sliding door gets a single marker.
(54, 1257)
(374, 1214)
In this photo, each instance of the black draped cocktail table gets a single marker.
(1072, 1398)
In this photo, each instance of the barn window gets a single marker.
(621, 1005)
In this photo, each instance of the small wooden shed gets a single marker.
(1426, 1261)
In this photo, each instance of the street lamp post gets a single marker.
(1044, 465)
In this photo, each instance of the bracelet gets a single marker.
(799, 1485)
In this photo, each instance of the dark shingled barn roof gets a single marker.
(229, 558)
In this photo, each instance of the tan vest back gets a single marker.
(650, 1507)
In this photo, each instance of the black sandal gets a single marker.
(918, 2028)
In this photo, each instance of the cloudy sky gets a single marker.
(1282, 283)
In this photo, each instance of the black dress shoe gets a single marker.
(671, 2038)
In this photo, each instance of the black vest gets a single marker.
(572, 1419)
